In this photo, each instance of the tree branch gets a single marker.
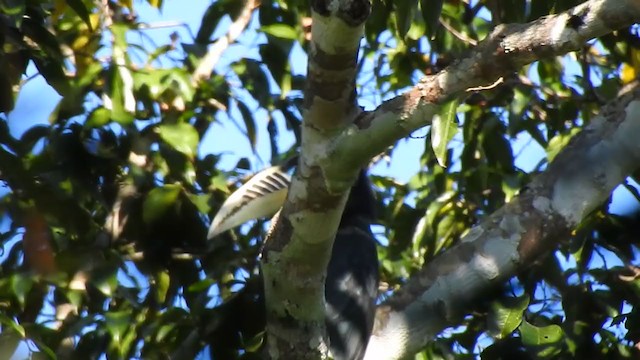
(337, 140)
(298, 248)
(505, 50)
(209, 61)
(579, 179)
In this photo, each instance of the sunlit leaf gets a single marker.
(156, 3)
(201, 285)
(201, 202)
(280, 30)
(117, 323)
(506, 315)
(162, 285)
(537, 336)
(13, 325)
(558, 143)
(80, 9)
(105, 280)
(443, 129)
(254, 344)
(98, 117)
(127, 3)
(182, 137)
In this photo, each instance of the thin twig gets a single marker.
(457, 34)
(488, 87)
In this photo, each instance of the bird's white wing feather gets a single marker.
(260, 197)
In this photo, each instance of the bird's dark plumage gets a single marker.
(352, 273)
(352, 277)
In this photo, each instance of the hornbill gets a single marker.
(352, 273)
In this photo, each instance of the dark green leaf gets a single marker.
(159, 201)
(247, 116)
(32, 136)
(21, 286)
(212, 17)
(105, 280)
(431, 10)
(80, 9)
(405, 13)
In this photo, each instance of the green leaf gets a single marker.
(422, 230)
(20, 286)
(159, 201)
(405, 12)
(559, 142)
(163, 281)
(80, 9)
(431, 10)
(13, 10)
(201, 202)
(105, 280)
(275, 55)
(49, 58)
(213, 14)
(539, 336)
(119, 32)
(219, 182)
(281, 31)
(247, 116)
(182, 137)
(32, 136)
(100, 116)
(121, 85)
(443, 129)
(155, 3)
(505, 316)
(117, 323)
(254, 344)
(163, 331)
(201, 285)
(545, 342)
(13, 325)
(177, 83)
(118, 94)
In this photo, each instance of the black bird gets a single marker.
(352, 273)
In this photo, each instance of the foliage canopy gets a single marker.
(105, 209)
